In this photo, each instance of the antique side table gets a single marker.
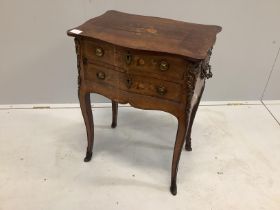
(148, 62)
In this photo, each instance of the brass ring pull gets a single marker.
(99, 52)
(163, 66)
(141, 62)
(161, 90)
(101, 75)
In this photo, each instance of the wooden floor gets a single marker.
(235, 162)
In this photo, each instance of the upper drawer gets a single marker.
(159, 65)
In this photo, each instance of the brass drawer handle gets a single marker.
(101, 75)
(128, 58)
(163, 66)
(141, 62)
(161, 90)
(99, 52)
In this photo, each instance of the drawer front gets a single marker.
(99, 51)
(104, 76)
(134, 83)
(154, 87)
(163, 66)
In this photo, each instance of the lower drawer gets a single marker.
(133, 83)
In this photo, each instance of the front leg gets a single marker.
(84, 98)
(180, 138)
(188, 145)
(114, 114)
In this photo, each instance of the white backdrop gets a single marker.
(38, 63)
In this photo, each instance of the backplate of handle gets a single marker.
(128, 82)
(128, 58)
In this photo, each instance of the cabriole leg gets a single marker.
(84, 98)
(180, 138)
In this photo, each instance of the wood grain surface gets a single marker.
(151, 33)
